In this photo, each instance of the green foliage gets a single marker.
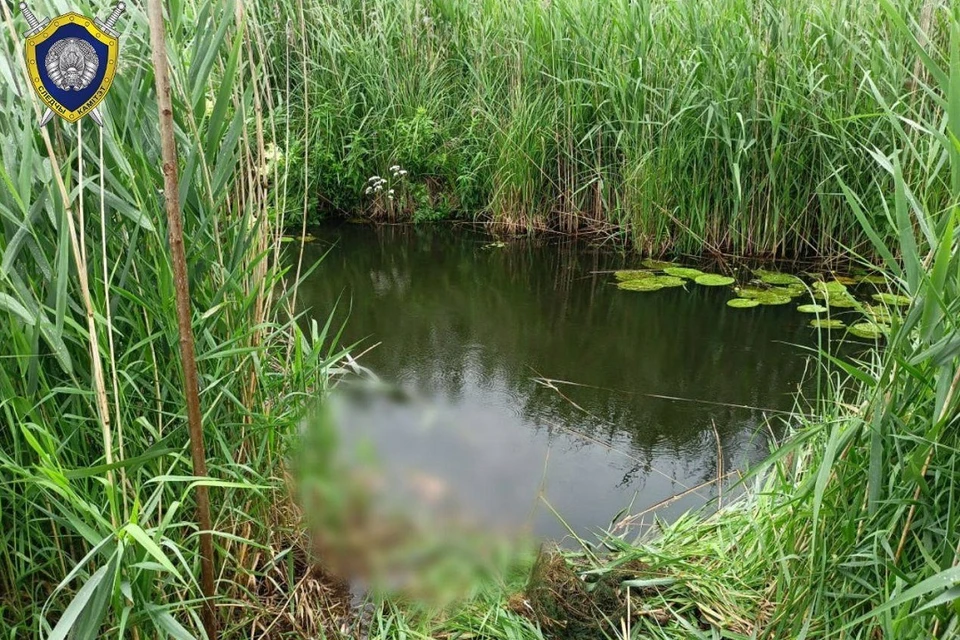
(569, 114)
(714, 280)
(97, 531)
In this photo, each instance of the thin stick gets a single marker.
(168, 148)
(108, 315)
(80, 256)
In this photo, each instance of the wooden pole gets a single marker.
(168, 149)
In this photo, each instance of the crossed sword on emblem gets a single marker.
(106, 25)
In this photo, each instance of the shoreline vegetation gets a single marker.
(684, 127)
(772, 128)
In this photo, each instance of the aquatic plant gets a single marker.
(714, 280)
(632, 274)
(826, 323)
(642, 284)
(892, 299)
(870, 330)
(812, 308)
(652, 283)
(777, 278)
(840, 301)
(791, 291)
(683, 272)
(658, 265)
(743, 303)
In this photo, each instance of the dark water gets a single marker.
(468, 330)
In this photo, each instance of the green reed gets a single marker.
(689, 126)
(97, 529)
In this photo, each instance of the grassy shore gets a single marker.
(690, 126)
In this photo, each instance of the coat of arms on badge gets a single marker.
(71, 61)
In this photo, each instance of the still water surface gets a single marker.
(470, 332)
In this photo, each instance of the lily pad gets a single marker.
(653, 283)
(650, 263)
(869, 330)
(878, 313)
(743, 303)
(873, 279)
(669, 281)
(771, 299)
(632, 274)
(791, 291)
(845, 280)
(844, 301)
(777, 278)
(750, 292)
(892, 299)
(812, 308)
(642, 284)
(830, 287)
(714, 280)
(682, 272)
(824, 323)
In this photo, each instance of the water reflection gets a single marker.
(475, 332)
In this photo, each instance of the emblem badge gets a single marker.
(71, 61)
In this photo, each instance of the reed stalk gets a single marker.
(171, 192)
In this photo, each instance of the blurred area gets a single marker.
(387, 537)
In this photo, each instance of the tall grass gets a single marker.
(97, 531)
(689, 126)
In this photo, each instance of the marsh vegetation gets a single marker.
(766, 128)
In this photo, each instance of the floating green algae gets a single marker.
(777, 278)
(653, 283)
(632, 274)
(714, 280)
(682, 272)
(812, 308)
(869, 330)
(892, 299)
(743, 303)
(824, 323)
(650, 263)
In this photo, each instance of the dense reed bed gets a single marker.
(689, 126)
(772, 128)
(98, 536)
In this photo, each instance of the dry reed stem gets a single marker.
(168, 148)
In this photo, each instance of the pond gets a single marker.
(526, 372)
